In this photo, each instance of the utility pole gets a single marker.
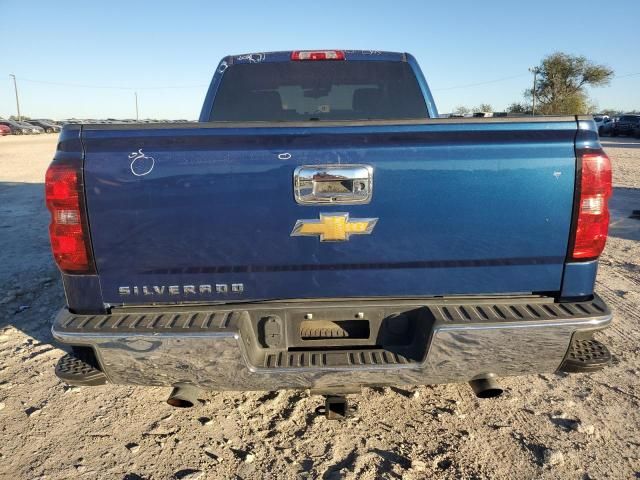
(15, 87)
(136, 94)
(535, 71)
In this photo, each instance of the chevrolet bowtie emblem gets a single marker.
(334, 227)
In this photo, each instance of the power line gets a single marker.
(626, 75)
(483, 83)
(165, 87)
(75, 85)
(111, 87)
(510, 78)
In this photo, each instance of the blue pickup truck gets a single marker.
(322, 228)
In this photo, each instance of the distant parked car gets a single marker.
(4, 130)
(627, 125)
(16, 128)
(48, 120)
(606, 128)
(601, 121)
(48, 127)
(482, 114)
(34, 129)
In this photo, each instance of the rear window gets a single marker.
(319, 90)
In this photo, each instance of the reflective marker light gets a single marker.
(67, 231)
(593, 218)
(318, 55)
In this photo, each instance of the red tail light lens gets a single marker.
(592, 225)
(318, 55)
(67, 230)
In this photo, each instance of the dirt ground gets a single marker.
(545, 426)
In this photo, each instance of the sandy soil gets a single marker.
(545, 426)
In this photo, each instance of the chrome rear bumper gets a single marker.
(222, 348)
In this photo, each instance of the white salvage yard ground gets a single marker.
(545, 426)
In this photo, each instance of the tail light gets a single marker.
(318, 55)
(68, 229)
(592, 224)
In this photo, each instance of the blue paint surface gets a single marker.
(463, 208)
(579, 279)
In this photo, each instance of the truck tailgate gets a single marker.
(462, 207)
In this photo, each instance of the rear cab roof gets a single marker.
(285, 56)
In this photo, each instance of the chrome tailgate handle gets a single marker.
(333, 184)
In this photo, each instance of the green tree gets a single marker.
(483, 107)
(461, 110)
(519, 108)
(562, 80)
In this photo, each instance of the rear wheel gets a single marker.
(49, 130)
(17, 132)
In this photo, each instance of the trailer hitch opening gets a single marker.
(336, 407)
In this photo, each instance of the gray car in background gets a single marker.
(628, 124)
(46, 126)
(602, 122)
(34, 129)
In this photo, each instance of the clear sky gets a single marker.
(148, 46)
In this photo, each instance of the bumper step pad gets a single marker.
(221, 319)
(586, 355)
(75, 371)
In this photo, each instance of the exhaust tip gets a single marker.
(486, 387)
(490, 393)
(179, 402)
(183, 396)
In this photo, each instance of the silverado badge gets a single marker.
(334, 227)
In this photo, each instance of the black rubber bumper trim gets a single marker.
(75, 371)
(585, 355)
(222, 318)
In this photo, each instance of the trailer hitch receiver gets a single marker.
(335, 408)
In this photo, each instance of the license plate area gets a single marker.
(346, 330)
(337, 336)
(322, 328)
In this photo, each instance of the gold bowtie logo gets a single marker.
(334, 227)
